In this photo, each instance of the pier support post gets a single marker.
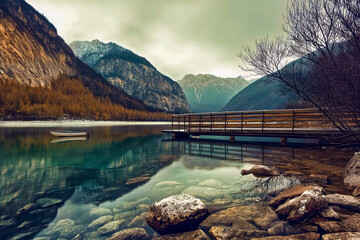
(180, 135)
(232, 138)
(283, 141)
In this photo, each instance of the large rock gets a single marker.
(352, 171)
(342, 236)
(343, 201)
(260, 171)
(193, 235)
(303, 236)
(130, 234)
(289, 193)
(222, 233)
(176, 213)
(302, 207)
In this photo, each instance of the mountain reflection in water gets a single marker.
(43, 183)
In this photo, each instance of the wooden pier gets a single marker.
(285, 123)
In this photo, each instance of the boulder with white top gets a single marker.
(176, 214)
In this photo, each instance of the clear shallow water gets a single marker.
(68, 185)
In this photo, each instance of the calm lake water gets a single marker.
(58, 189)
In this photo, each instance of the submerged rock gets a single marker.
(47, 202)
(342, 236)
(203, 192)
(100, 221)
(212, 183)
(193, 235)
(303, 236)
(61, 226)
(130, 234)
(167, 183)
(231, 217)
(221, 233)
(283, 228)
(352, 171)
(260, 171)
(26, 208)
(176, 213)
(137, 180)
(111, 227)
(99, 211)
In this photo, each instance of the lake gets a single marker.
(55, 189)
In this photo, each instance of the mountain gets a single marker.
(208, 93)
(268, 93)
(132, 74)
(34, 55)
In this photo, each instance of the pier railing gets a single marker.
(269, 122)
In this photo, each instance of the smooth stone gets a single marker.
(167, 183)
(70, 232)
(111, 227)
(6, 223)
(26, 208)
(100, 221)
(302, 207)
(39, 211)
(134, 204)
(61, 226)
(99, 211)
(23, 236)
(303, 236)
(352, 173)
(137, 221)
(203, 192)
(144, 207)
(221, 233)
(176, 213)
(292, 192)
(342, 236)
(47, 202)
(260, 171)
(283, 228)
(130, 234)
(79, 236)
(25, 224)
(230, 217)
(211, 183)
(329, 226)
(343, 201)
(194, 235)
(137, 180)
(42, 238)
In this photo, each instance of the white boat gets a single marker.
(67, 133)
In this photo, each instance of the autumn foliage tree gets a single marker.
(65, 97)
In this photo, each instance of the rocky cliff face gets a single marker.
(132, 74)
(208, 93)
(32, 53)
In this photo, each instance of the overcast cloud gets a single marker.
(177, 36)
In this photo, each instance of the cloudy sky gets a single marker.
(177, 36)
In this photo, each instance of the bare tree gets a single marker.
(325, 37)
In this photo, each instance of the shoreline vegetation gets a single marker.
(76, 123)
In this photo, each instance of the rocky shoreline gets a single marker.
(305, 211)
